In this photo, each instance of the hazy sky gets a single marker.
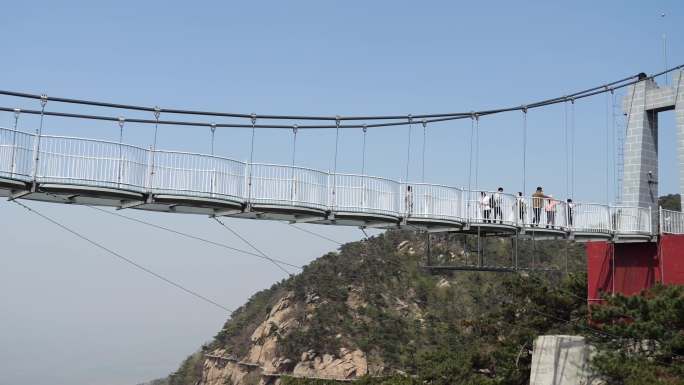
(72, 314)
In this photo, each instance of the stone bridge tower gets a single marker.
(641, 104)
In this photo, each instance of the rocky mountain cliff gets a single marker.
(372, 311)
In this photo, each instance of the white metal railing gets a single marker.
(16, 153)
(289, 186)
(490, 207)
(196, 175)
(589, 218)
(91, 162)
(365, 194)
(109, 164)
(431, 201)
(671, 222)
(630, 220)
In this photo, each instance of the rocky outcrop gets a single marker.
(220, 371)
(265, 337)
(350, 364)
(262, 364)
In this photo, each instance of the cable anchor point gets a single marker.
(122, 120)
(157, 112)
(213, 127)
(17, 111)
(337, 120)
(295, 128)
(253, 118)
(43, 100)
(424, 123)
(365, 128)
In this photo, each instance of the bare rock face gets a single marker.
(265, 336)
(355, 301)
(350, 364)
(262, 361)
(216, 371)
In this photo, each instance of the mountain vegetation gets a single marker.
(414, 326)
(671, 202)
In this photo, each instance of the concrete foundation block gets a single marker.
(561, 360)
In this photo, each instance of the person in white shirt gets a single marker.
(497, 200)
(486, 205)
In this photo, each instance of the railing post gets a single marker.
(660, 220)
(213, 183)
(611, 226)
(331, 201)
(150, 172)
(34, 172)
(650, 220)
(247, 190)
(121, 125)
(14, 142)
(39, 133)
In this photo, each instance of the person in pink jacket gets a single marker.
(550, 209)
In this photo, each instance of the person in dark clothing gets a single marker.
(521, 207)
(571, 207)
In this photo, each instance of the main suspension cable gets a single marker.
(432, 117)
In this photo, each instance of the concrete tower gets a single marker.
(642, 103)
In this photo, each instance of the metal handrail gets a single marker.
(111, 164)
(671, 222)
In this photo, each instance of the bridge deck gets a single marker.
(94, 172)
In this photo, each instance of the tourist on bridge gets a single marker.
(486, 205)
(537, 205)
(571, 207)
(520, 207)
(550, 208)
(497, 200)
(409, 200)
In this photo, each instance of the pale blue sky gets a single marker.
(71, 314)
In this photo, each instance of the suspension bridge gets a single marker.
(75, 170)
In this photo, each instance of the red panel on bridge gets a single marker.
(637, 266)
(599, 266)
(672, 257)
